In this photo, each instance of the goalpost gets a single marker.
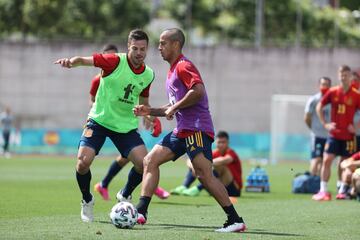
(290, 137)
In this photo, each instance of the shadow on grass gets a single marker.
(168, 226)
(264, 232)
(212, 228)
(108, 222)
(182, 204)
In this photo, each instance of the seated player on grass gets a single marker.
(227, 167)
(356, 183)
(350, 176)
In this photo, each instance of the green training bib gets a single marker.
(117, 95)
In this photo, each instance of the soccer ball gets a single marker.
(124, 215)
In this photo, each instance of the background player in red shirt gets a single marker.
(345, 101)
(120, 162)
(227, 167)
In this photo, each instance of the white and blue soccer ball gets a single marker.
(124, 215)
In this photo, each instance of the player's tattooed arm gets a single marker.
(143, 110)
(160, 112)
(75, 61)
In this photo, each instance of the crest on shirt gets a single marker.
(349, 101)
(128, 92)
(88, 132)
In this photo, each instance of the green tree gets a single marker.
(89, 19)
(234, 21)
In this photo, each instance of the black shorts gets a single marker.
(357, 143)
(94, 136)
(343, 148)
(317, 147)
(192, 145)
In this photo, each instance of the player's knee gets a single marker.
(149, 163)
(83, 164)
(347, 174)
(139, 167)
(82, 167)
(327, 162)
(356, 181)
(202, 174)
(356, 177)
(317, 160)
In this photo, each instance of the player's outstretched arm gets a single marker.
(143, 110)
(75, 61)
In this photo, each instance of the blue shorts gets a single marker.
(317, 147)
(343, 148)
(192, 145)
(94, 136)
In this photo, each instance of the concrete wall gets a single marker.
(240, 82)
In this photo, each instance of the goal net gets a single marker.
(290, 137)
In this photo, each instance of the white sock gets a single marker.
(323, 186)
(343, 187)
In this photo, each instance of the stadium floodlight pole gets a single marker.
(336, 24)
(189, 4)
(299, 18)
(259, 16)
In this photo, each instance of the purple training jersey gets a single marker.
(194, 118)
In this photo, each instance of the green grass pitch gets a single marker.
(39, 199)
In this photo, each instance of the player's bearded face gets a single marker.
(137, 51)
(345, 78)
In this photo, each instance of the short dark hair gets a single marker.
(222, 134)
(344, 68)
(325, 78)
(356, 75)
(176, 35)
(109, 47)
(138, 34)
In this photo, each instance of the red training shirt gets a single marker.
(109, 62)
(234, 166)
(356, 156)
(343, 108)
(94, 85)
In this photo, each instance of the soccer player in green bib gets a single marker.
(125, 83)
